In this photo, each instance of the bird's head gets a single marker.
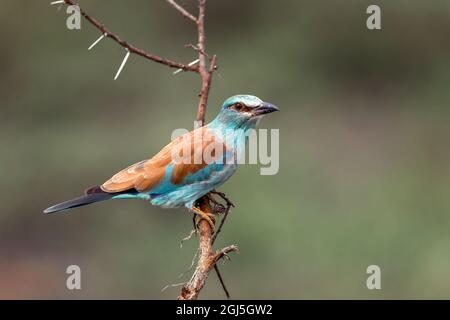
(244, 110)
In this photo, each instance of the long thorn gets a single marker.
(123, 64)
(97, 41)
(190, 65)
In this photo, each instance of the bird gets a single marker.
(189, 167)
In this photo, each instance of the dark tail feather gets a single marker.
(80, 201)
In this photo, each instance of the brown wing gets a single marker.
(142, 175)
(146, 174)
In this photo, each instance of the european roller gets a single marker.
(189, 167)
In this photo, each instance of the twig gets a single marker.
(188, 237)
(172, 285)
(131, 48)
(219, 275)
(194, 47)
(222, 222)
(183, 11)
(227, 210)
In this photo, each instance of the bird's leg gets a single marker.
(209, 217)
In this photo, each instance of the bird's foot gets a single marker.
(217, 206)
(209, 217)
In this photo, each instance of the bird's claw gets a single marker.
(224, 197)
(219, 208)
(209, 217)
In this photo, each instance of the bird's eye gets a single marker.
(238, 106)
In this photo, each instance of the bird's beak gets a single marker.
(265, 108)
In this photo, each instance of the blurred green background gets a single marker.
(364, 176)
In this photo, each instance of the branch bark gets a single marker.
(207, 260)
(205, 74)
(208, 257)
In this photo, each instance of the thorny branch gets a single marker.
(130, 47)
(208, 257)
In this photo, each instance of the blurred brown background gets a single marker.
(364, 129)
